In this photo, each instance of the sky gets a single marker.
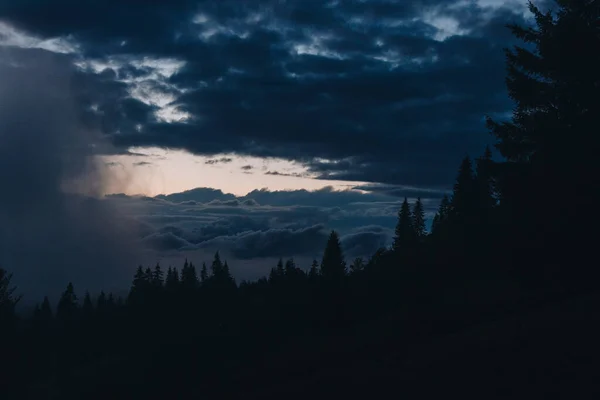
(342, 108)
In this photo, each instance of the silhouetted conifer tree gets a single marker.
(377, 259)
(169, 275)
(405, 236)
(46, 309)
(139, 279)
(172, 281)
(227, 273)
(176, 276)
(485, 186)
(464, 196)
(418, 219)
(554, 83)
(101, 302)
(67, 305)
(148, 275)
(278, 273)
(189, 277)
(273, 275)
(203, 273)
(435, 223)
(217, 264)
(280, 270)
(290, 269)
(157, 277)
(440, 221)
(313, 273)
(139, 288)
(333, 266)
(550, 140)
(445, 208)
(87, 307)
(357, 265)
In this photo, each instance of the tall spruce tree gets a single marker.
(290, 268)
(357, 265)
(189, 277)
(333, 266)
(445, 207)
(67, 304)
(46, 309)
(101, 302)
(485, 181)
(554, 83)
(203, 273)
(157, 277)
(435, 223)
(418, 219)
(139, 279)
(313, 273)
(405, 236)
(148, 277)
(280, 270)
(464, 195)
(440, 219)
(226, 274)
(486, 191)
(139, 287)
(169, 276)
(217, 264)
(176, 277)
(551, 140)
(87, 307)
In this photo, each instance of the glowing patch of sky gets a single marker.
(317, 46)
(150, 87)
(9, 36)
(446, 26)
(155, 171)
(396, 59)
(209, 28)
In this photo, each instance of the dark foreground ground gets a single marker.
(548, 351)
(552, 351)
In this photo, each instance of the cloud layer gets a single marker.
(265, 224)
(378, 90)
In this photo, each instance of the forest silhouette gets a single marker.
(499, 297)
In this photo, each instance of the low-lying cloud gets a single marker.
(268, 224)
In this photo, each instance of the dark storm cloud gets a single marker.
(377, 85)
